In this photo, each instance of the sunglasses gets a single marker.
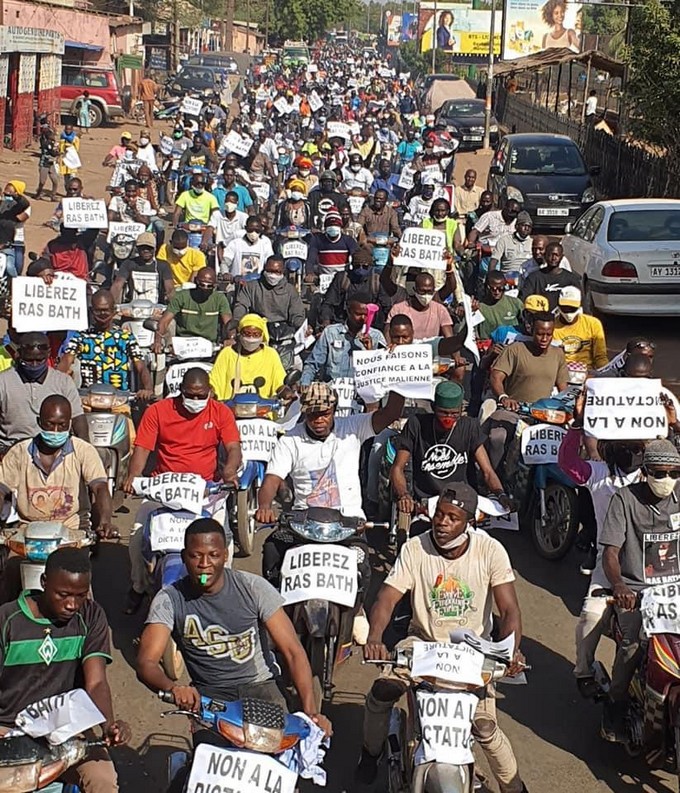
(663, 474)
(203, 285)
(40, 347)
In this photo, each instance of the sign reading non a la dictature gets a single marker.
(238, 144)
(167, 530)
(191, 106)
(406, 370)
(624, 408)
(176, 491)
(328, 572)
(38, 306)
(456, 663)
(258, 438)
(446, 727)
(422, 248)
(186, 347)
(541, 443)
(84, 213)
(218, 770)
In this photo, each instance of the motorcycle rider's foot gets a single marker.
(133, 602)
(588, 563)
(588, 687)
(613, 726)
(367, 770)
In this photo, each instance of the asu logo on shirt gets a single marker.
(217, 643)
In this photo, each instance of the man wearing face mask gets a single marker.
(324, 197)
(185, 433)
(145, 151)
(271, 296)
(641, 527)
(144, 277)
(244, 201)
(24, 387)
(387, 181)
(247, 254)
(451, 558)
(195, 204)
(580, 335)
(304, 172)
(330, 250)
(184, 262)
(429, 317)
(419, 205)
(355, 176)
(512, 250)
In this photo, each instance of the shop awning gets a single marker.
(79, 45)
(557, 56)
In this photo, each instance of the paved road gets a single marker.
(554, 733)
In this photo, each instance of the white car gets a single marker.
(628, 254)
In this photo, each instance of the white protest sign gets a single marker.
(282, 105)
(167, 530)
(216, 769)
(62, 716)
(422, 248)
(328, 572)
(337, 129)
(446, 727)
(84, 213)
(191, 106)
(356, 203)
(406, 177)
(192, 347)
(541, 443)
(457, 663)
(406, 370)
(176, 491)
(117, 227)
(385, 72)
(303, 338)
(38, 306)
(347, 396)
(325, 281)
(258, 438)
(176, 372)
(315, 102)
(294, 249)
(508, 522)
(261, 190)
(660, 609)
(470, 343)
(312, 68)
(614, 366)
(238, 144)
(624, 408)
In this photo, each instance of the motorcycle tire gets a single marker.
(172, 660)
(554, 540)
(246, 504)
(317, 658)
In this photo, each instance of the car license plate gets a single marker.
(472, 137)
(664, 270)
(552, 211)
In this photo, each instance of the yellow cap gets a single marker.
(536, 303)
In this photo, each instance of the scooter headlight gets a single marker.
(322, 532)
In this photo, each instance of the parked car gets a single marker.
(103, 86)
(224, 63)
(628, 253)
(546, 174)
(464, 119)
(435, 89)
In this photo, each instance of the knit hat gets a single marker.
(536, 303)
(524, 217)
(317, 398)
(448, 395)
(460, 494)
(297, 184)
(332, 218)
(255, 321)
(18, 185)
(570, 296)
(661, 452)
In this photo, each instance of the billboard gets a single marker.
(535, 25)
(458, 28)
(392, 29)
(409, 27)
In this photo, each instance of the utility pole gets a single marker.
(434, 38)
(489, 81)
(368, 16)
(248, 27)
(266, 24)
(229, 25)
(175, 36)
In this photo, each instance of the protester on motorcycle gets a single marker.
(130, 207)
(271, 296)
(351, 228)
(107, 353)
(329, 251)
(197, 312)
(580, 335)
(421, 202)
(537, 259)
(294, 210)
(355, 176)
(379, 217)
(70, 252)
(550, 279)
(493, 224)
(145, 277)
(184, 262)
(197, 155)
(486, 204)
(246, 255)
(325, 196)
(452, 557)
(64, 621)
(245, 201)
(498, 308)
(512, 250)
(429, 317)
(221, 620)
(195, 204)
(185, 433)
(641, 518)
(387, 181)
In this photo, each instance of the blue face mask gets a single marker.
(54, 440)
(32, 371)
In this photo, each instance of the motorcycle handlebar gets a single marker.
(166, 696)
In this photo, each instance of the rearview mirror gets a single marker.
(293, 378)
(567, 228)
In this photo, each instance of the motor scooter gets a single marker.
(294, 251)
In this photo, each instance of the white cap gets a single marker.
(570, 296)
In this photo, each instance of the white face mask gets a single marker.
(456, 543)
(304, 172)
(253, 236)
(230, 206)
(198, 190)
(296, 195)
(195, 405)
(662, 488)
(179, 251)
(143, 141)
(424, 300)
(355, 168)
(570, 316)
(273, 278)
(251, 343)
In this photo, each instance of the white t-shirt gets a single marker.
(227, 230)
(147, 156)
(242, 257)
(591, 105)
(324, 473)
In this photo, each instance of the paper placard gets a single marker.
(406, 177)
(84, 213)
(446, 727)
(422, 248)
(191, 106)
(312, 68)
(406, 370)
(614, 366)
(509, 522)
(176, 372)
(624, 408)
(42, 307)
(128, 229)
(456, 663)
(541, 443)
(261, 190)
(325, 281)
(470, 344)
(303, 339)
(62, 716)
(192, 347)
(237, 771)
(167, 530)
(294, 249)
(258, 438)
(337, 129)
(282, 106)
(315, 101)
(347, 396)
(238, 144)
(356, 203)
(326, 572)
(175, 491)
(660, 609)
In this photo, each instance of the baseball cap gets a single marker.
(148, 239)
(536, 303)
(317, 398)
(570, 296)
(460, 494)
(127, 135)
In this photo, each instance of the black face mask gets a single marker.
(201, 295)
(628, 460)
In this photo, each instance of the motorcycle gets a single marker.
(282, 339)
(133, 316)
(294, 251)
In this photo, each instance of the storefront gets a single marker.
(30, 78)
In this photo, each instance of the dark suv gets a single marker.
(102, 84)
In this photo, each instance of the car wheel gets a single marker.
(96, 115)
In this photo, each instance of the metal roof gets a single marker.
(556, 56)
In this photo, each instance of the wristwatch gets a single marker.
(502, 397)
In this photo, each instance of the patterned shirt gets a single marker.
(106, 356)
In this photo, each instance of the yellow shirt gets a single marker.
(182, 267)
(263, 363)
(6, 360)
(583, 341)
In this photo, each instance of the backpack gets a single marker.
(373, 283)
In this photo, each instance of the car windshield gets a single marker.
(460, 109)
(557, 159)
(641, 225)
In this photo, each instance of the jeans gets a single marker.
(96, 774)
(500, 428)
(627, 654)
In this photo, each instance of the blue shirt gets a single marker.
(331, 357)
(407, 150)
(244, 199)
(389, 184)
(506, 334)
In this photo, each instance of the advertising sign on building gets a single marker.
(535, 25)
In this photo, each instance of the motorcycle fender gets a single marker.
(315, 614)
(253, 471)
(170, 568)
(442, 778)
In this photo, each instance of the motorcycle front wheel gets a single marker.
(246, 504)
(554, 535)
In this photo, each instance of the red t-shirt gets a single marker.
(186, 443)
(67, 258)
